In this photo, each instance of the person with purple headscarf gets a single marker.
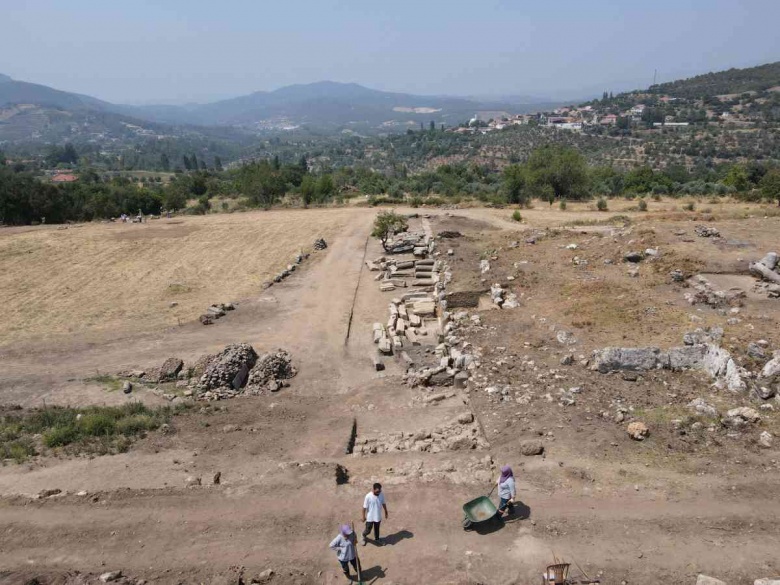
(344, 545)
(506, 490)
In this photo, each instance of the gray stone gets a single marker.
(111, 576)
(772, 367)
(465, 418)
(700, 406)
(612, 359)
(127, 387)
(745, 413)
(754, 350)
(765, 440)
(687, 357)
(633, 257)
(767, 581)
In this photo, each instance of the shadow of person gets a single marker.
(392, 539)
(519, 511)
(372, 574)
(495, 524)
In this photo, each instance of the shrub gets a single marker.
(642, 205)
(97, 424)
(656, 196)
(601, 204)
(691, 206)
(516, 215)
(562, 205)
(60, 436)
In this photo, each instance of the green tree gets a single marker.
(770, 185)
(325, 187)
(737, 177)
(515, 183)
(562, 168)
(386, 224)
(218, 163)
(432, 126)
(308, 190)
(165, 162)
(186, 161)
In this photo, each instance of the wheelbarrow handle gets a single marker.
(490, 493)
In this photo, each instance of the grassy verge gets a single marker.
(96, 429)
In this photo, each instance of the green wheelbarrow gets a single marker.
(478, 510)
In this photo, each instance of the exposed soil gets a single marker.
(684, 501)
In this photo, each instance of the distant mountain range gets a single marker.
(30, 111)
(324, 105)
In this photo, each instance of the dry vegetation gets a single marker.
(99, 277)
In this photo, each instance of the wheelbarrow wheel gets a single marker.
(467, 524)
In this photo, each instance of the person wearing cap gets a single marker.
(506, 490)
(344, 545)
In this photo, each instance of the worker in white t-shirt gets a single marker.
(373, 504)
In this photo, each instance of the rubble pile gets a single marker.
(406, 322)
(704, 231)
(271, 372)
(229, 368)
(705, 293)
(461, 434)
(502, 298)
(417, 243)
(700, 352)
(766, 270)
(216, 311)
(297, 261)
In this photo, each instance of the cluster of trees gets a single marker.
(24, 199)
(551, 172)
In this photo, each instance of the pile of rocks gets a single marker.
(704, 231)
(765, 269)
(297, 261)
(704, 292)
(418, 243)
(271, 372)
(216, 311)
(502, 298)
(406, 321)
(468, 470)
(238, 369)
(461, 434)
(229, 368)
(700, 352)
(320, 244)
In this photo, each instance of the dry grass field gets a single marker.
(100, 277)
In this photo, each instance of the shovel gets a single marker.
(357, 558)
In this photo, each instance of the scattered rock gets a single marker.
(49, 493)
(702, 407)
(127, 387)
(170, 369)
(192, 481)
(531, 448)
(638, 431)
(320, 244)
(704, 231)
(634, 257)
(217, 478)
(265, 575)
(111, 576)
(765, 439)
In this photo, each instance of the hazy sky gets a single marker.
(136, 51)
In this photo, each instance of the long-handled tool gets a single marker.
(357, 558)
